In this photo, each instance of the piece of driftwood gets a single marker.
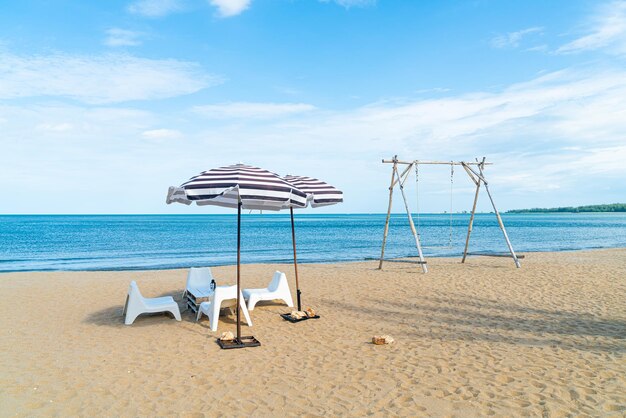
(382, 339)
(227, 336)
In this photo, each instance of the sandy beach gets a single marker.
(478, 339)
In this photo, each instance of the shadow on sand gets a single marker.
(474, 319)
(113, 315)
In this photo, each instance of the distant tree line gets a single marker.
(613, 207)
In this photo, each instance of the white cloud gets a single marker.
(513, 39)
(523, 128)
(161, 134)
(55, 127)
(607, 31)
(538, 48)
(99, 79)
(73, 121)
(555, 100)
(251, 110)
(561, 108)
(228, 8)
(351, 3)
(122, 37)
(554, 140)
(155, 8)
(225, 8)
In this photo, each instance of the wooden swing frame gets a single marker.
(475, 171)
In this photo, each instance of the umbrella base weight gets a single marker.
(289, 318)
(244, 342)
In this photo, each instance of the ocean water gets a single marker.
(120, 242)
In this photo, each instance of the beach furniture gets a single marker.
(277, 289)
(250, 188)
(198, 287)
(238, 186)
(136, 305)
(212, 307)
(199, 281)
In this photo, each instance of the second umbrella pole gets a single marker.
(238, 272)
(295, 258)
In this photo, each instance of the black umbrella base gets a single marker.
(288, 317)
(244, 342)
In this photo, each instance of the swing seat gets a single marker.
(496, 255)
(407, 261)
(445, 247)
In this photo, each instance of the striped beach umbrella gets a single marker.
(239, 186)
(318, 193)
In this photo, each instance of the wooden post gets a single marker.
(404, 174)
(506, 237)
(417, 240)
(471, 221)
(382, 251)
(295, 258)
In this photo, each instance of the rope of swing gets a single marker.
(451, 207)
(417, 200)
(417, 197)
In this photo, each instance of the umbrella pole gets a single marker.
(238, 272)
(295, 258)
(239, 342)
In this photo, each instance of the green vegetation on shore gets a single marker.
(613, 207)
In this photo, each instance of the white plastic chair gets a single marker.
(278, 289)
(199, 282)
(213, 306)
(136, 304)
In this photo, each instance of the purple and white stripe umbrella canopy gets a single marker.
(255, 188)
(318, 193)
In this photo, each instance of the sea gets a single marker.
(138, 242)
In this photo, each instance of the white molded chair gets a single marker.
(278, 289)
(136, 304)
(213, 306)
(199, 282)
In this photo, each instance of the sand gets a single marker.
(478, 339)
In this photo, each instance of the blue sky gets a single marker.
(103, 105)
